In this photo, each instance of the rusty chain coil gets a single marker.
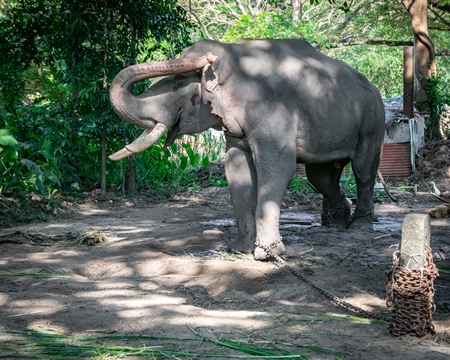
(410, 293)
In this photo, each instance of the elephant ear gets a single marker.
(209, 83)
(211, 92)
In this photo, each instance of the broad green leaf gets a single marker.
(32, 166)
(6, 138)
(183, 163)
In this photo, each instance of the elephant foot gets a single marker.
(362, 221)
(240, 246)
(263, 253)
(339, 217)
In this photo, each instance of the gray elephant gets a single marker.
(279, 103)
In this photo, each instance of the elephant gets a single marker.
(279, 103)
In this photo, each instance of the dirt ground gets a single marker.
(163, 271)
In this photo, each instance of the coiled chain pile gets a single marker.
(410, 293)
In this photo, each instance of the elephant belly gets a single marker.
(324, 154)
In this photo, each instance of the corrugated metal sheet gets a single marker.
(396, 160)
(300, 170)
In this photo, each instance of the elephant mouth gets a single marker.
(144, 141)
(173, 133)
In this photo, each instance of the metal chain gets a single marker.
(360, 216)
(327, 217)
(410, 294)
(337, 300)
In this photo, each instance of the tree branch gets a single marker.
(439, 17)
(194, 15)
(442, 53)
(373, 42)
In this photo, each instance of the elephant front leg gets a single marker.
(242, 181)
(275, 170)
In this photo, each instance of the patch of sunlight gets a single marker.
(3, 299)
(194, 316)
(29, 307)
(288, 303)
(114, 285)
(144, 303)
(43, 258)
(92, 211)
(367, 302)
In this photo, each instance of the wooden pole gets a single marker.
(408, 81)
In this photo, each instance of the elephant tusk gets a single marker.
(121, 154)
(144, 141)
(147, 138)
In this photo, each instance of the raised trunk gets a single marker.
(128, 106)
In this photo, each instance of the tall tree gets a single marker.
(425, 64)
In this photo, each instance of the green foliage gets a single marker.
(27, 167)
(27, 209)
(218, 181)
(300, 186)
(59, 58)
(165, 171)
(438, 96)
(272, 26)
(383, 66)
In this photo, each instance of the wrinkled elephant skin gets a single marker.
(279, 103)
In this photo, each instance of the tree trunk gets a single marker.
(295, 10)
(105, 87)
(130, 174)
(425, 65)
(103, 183)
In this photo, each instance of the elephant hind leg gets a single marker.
(365, 166)
(336, 208)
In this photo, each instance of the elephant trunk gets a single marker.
(127, 106)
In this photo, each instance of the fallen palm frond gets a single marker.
(71, 238)
(31, 344)
(91, 238)
(272, 349)
(335, 317)
(43, 273)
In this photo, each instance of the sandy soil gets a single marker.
(163, 269)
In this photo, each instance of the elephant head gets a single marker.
(173, 101)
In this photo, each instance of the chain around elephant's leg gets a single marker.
(362, 220)
(339, 216)
(265, 252)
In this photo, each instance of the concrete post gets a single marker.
(415, 236)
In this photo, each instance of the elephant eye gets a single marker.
(178, 84)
